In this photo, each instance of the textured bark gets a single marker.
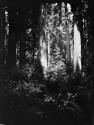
(67, 36)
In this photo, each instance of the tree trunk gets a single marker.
(2, 37)
(67, 36)
(11, 41)
(77, 48)
(22, 49)
(11, 49)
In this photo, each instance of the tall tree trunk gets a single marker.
(11, 41)
(12, 49)
(77, 48)
(22, 49)
(67, 36)
(2, 36)
(68, 42)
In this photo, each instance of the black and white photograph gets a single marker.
(46, 62)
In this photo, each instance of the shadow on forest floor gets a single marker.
(36, 102)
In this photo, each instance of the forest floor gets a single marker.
(36, 102)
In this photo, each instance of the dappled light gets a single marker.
(46, 62)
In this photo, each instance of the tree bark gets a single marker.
(67, 36)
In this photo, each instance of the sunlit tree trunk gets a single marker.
(67, 36)
(68, 42)
(72, 51)
(43, 43)
(43, 53)
(77, 48)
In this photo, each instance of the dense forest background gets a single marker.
(46, 56)
(46, 38)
